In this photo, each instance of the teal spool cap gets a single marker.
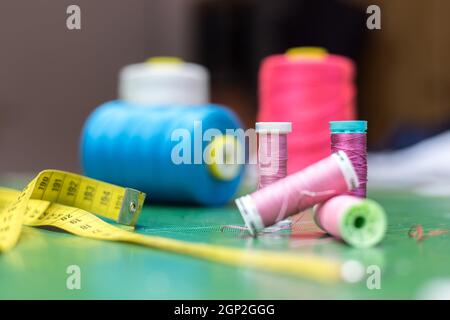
(355, 126)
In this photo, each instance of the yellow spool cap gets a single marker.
(306, 52)
(164, 60)
(222, 157)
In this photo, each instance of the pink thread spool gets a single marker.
(359, 222)
(272, 151)
(308, 87)
(302, 190)
(351, 137)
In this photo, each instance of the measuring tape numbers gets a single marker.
(72, 203)
(67, 201)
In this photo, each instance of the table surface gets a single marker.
(36, 267)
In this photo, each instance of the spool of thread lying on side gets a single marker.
(317, 183)
(308, 87)
(161, 150)
(164, 81)
(351, 137)
(359, 222)
(272, 151)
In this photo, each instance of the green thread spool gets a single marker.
(361, 223)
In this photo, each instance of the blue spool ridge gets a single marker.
(132, 146)
(355, 126)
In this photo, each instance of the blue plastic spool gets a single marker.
(132, 146)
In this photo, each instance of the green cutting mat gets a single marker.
(36, 268)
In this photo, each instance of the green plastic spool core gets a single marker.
(364, 224)
(356, 126)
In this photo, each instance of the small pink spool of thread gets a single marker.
(351, 137)
(297, 192)
(359, 222)
(272, 151)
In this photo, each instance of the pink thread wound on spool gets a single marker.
(359, 222)
(297, 192)
(329, 214)
(272, 151)
(351, 137)
(309, 92)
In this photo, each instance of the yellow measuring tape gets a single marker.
(71, 202)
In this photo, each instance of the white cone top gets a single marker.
(164, 81)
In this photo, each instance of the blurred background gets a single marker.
(51, 78)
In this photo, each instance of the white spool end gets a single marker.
(250, 214)
(164, 81)
(273, 127)
(347, 169)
